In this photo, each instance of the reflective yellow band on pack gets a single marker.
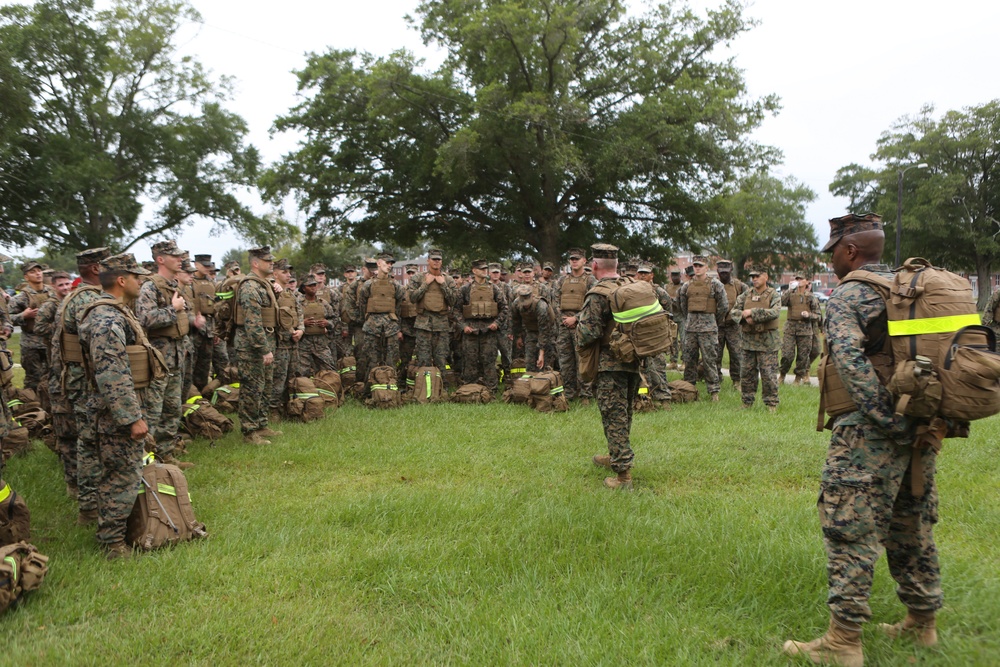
(225, 296)
(190, 408)
(150, 457)
(10, 560)
(643, 390)
(390, 387)
(327, 392)
(410, 382)
(348, 369)
(518, 370)
(634, 314)
(305, 397)
(557, 390)
(13, 403)
(5, 492)
(224, 390)
(166, 489)
(427, 381)
(932, 325)
(193, 399)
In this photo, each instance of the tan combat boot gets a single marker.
(172, 460)
(841, 645)
(623, 481)
(665, 405)
(86, 518)
(781, 378)
(715, 397)
(117, 550)
(268, 432)
(918, 626)
(773, 409)
(255, 438)
(602, 460)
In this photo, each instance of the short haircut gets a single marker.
(606, 263)
(108, 278)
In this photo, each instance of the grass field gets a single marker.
(471, 535)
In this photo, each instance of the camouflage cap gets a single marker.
(232, 264)
(188, 267)
(318, 267)
(588, 269)
(386, 257)
(60, 275)
(724, 265)
(644, 267)
(309, 280)
(349, 268)
(757, 269)
(480, 264)
(435, 253)
(675, 272)
(576, 253)
(149, 265)
(699, 259)
(526, 267)
(370, 263)
(31, 264)
(689, 270)
(604, 251)
(455, 273)
(548, 266)
(204, 260)
(523, 291)
(167, 248)
(92, 256)
(411, 268)
(495, 267)
(123, 263)
(852, 223)
(283, 265)
(263, 252)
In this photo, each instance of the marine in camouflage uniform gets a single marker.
(655, 368)
(504, 335)
(991, 314)
(434, 305)
(702, 317)
(204, 341)
(291, 327)
(331, 296)
(480, 309)
(800, 332)
(320, 320)
(63, 425)
(163, 313)
(381, 300)
(617, 382)
(23, 309)
(114, 399)
(6, 363)
(185, 280)
(568, 294)
(407, 320)
(254, 342)
(533, 323)
(756, 311)
(729, 332)
(870, 499)
(673, 289)
(345, 344)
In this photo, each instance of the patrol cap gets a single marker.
(724, 265)
(480, 264)
(699, 259)
(576, 253)
(309, 280)
(523, 291)
(675, 272)
(547, 266)
(757, 269)
(31, 264)
(204, 260)
(188, 267)
(232, 264)
(167, 248)
(604, 251)
(60, 275)
(644, 267)
(318, 267)
(689, 270)
(495, 267)
(92, 256)
(632, 265)
(411, 268)
(123, 263)
(349, 268)
(435, 253)
(455, 273)
(386, 257)
(370, 263)
(263, 252)
(283, 264)
(800, 276)
(149, 265)
(587, 269)
(852, 223)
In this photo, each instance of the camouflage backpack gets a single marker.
(472, 393)
(330, 386)
(162, 514)
(348, 371)
(428, 385)
(682, 391)
(304, 401)
(384, 391)
(15, 519)
(201, 419)
(17, 441)
(22, 570)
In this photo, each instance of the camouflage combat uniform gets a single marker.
(334, 338)
(504, 342)
(729, 334)
(203, 340)
(565, 336)
(348, 308)
(617, 382)
(866, 502)
(674, 355)
(991, 314)
(63, 424)
(760, 344)
(314, 346)
(433, 327)
(655, 368)
(252, 342)
(381, 328)
(701, 333)
(800, 340)
(287, 363)
(533, 323)
(113, 399)
(407, 347)
(34, 354)
(480, 348)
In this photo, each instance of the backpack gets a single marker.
(202, 419)
(682, 391)
(472, 393)
(348, 371)
(225, 308)
(518, 367)
(22, 569)
(330, 387)
(23, 400)
(944, 363)
(642, 401)
(225, 398)
(38, 422)
(385, 393)
(15, 519)
(17, 441)
(162, 513)
(542, 391)
(304, 400)
(643, 329)
(451, 379)
(428, 386)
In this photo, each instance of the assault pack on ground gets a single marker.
(22, 569)
(330, 386)
(162, 513)
(428, 385)
(384, 390)
(304, 400)
(472, 393)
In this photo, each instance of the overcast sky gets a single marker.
(843, 70)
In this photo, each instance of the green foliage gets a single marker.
(480, 535)
(951, 209)
(99, 115)
(551, 123)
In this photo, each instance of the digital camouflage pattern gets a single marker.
(433, 329)
(532, 341)
(800, 339)
(760, 348)
(480, 348)
(865, 501)
(314, 349)
(701, 334)
(252, 342)
(381, 330)
(34, 348)
(989, 315)
(566, 341)
(286, 361)
(729, 338)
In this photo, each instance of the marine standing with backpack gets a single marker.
(617, 382)
(866, 497)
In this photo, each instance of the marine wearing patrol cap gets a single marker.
(495, 267)
(205, 260)
(724, 265)
(386, 257)
(480, 264)
(149, 265)
(123, 263)
(643, 266)
(852, 223)
(282, 265)
(167, 248)
(31, 264)
(604, 251)
(92, 256)
(308, 281)
(263, 252)
(411, 269)
(576, 253)
(757, 269)
(434, 253)
(371, 264)
(349, 268)
(675, 272)
(699, 259)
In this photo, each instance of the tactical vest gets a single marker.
(433, 299)
(313, 310)
(763, 297)
(268, 314)
(481, 304)
(69, 343)
(700, 299)
(288, 311)
(572, 294)
(672, 290)
(382, 298)
(796, 304)
(529, 314)
(35, 300)
(346, 315)
(407, 309)
(177, 329)
(145, 362)
(731, 293)
(204, 296)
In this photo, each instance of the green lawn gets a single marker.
(470, 535)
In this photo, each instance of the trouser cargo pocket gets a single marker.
(845, 504)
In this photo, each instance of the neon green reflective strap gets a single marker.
(427, 381)
(390, 387)
(410, 382)
(305, 397)
(191, 408)
(10, 560)
(167, 489)
(225, 296)
(193, 399)
(5, 492)
(634, 314)
(326, 392)
(13, 403)
(518, 370)
(235, 385)
(557, 390)
(932, 325)
(150, 457)
(224, 389)
(643, 390)
(348, 369)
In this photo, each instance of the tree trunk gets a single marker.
(985, 281)
(548, 241)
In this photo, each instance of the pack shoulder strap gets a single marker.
(140, 334)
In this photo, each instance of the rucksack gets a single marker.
(330, 387)
(304, 401)
(542, 391)
(162, 513)
(384, 391)
(17, 441)
(428, 385)
(472, 393)
(643, 329)
(225, 398)
(682, 391)
(225, 308)
(202, 419)
(38, 422)
(22, 570)
(348, 371)
(23, 400)
(940, 361)
(15, 518)
(642, 401)
(518, 367)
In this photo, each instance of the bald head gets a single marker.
(856, 250)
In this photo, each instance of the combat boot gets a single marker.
(665, 405)
(715, 397)
(86, 518)
(255, 438)
(623, 481)
(172, 460)
(773, 409)
(781, 378)
(117, 550)
(841, 645)
(268, 433)
(275, 416)
(602, 461)
(921, 627)
(584, 402)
